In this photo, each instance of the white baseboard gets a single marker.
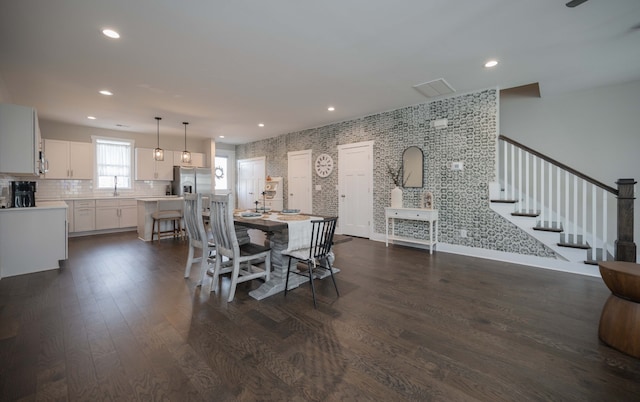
(529, 260)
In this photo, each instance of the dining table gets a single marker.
(282, 232)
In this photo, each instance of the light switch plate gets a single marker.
(318, 187)
(457, 165)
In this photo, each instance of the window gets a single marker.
(113, 163)
(221, 171)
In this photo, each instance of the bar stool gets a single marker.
(167, 210)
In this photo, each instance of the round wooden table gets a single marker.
(620, 319)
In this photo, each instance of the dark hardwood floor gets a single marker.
(119, 322)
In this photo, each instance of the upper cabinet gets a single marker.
(68, 160)
(148, 168)
(19, 140)
(197, 159)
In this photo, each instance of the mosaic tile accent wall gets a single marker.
(460, 196)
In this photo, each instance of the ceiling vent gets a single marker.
(434, 88)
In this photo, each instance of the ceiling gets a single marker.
(225, 66)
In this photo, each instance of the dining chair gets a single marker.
(316, 256)
(198, 236)
(166, 210)
(242, 256)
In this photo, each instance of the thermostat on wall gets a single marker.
(440, 123)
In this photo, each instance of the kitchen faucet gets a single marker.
(115, 186)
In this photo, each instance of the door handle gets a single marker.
(342, 195)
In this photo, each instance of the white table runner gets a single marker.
(299, 233)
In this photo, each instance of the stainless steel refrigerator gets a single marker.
(191, 180)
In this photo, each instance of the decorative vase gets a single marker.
(396, 197)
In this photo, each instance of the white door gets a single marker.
(299, 195)
(355, 183)
(251, 177)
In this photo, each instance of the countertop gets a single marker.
(105, 197)
(156, 199)
(40, 205)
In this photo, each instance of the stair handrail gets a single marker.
(625, 247)
(560, 165)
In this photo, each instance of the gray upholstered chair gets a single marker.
(167, 210)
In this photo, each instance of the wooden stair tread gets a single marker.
(549, 226)
(530, 213)
(548, 229)
(584, 246)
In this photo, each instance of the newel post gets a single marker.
(625, 247)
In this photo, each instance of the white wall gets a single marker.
(595, 131)
(68, 132)
(4, 92)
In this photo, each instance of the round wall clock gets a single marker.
(324, 165)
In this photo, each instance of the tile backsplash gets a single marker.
(64, 189)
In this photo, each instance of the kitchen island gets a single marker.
(33, 239)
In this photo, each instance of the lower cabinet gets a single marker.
(114, 214)
(32, 239)
(101, 214)
(84, 215)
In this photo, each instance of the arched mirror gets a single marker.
(412, 167)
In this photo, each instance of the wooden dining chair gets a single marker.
(316, 256)
(198, 236)
(242, 256)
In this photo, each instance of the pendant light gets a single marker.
(158, 153)
(186, 155)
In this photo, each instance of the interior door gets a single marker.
(355, 183)
(251, 177)
(299, 194)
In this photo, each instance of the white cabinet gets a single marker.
(84, 215)
(197, 159)
(69, 216)
(19, 140)
(148, 168)
(32, 239)
(116, 213)
(68, 160)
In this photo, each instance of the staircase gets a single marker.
(576, 216)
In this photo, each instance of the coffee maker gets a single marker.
(23, 194)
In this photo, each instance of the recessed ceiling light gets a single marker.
(491, 63)
(222, 136)
(105, 92)
(91, 117)
(260, 124)
(110, 33)
(331, 108)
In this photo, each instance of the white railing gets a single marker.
(584, 208)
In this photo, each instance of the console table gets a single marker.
(414, 214)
